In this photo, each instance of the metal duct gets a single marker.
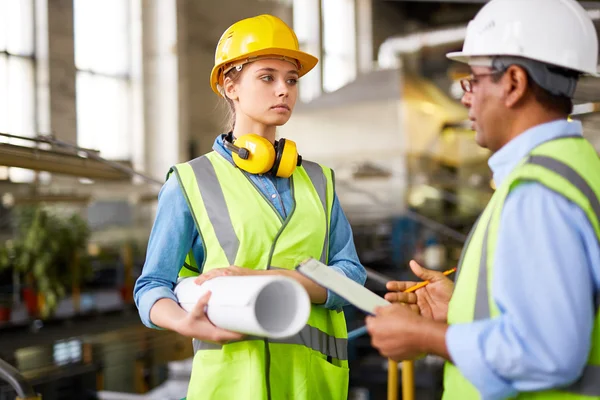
(392, 48)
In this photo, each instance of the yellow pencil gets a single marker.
(425, 283)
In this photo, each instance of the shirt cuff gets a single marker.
(147, 301)
(335, 302)
(465, 343)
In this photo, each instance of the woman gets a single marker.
(228, 214)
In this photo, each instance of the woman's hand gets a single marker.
(431, 300)
(317, 294)
(228, 271)
(197, 325)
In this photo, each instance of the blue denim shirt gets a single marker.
(546, 271)
(174, 233)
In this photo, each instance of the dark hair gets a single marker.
(234, 74)
(551, 102)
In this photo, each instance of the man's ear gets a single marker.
(516, 82)
(230, 89)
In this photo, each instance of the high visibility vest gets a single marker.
(239, 226)
(570, 167)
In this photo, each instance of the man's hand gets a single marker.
(431, 300)
(197, 325)
(399, 333)
(392, 331)
(228, 271)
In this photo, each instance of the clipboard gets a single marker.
(355, 293)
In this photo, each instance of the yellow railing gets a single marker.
(408, 380)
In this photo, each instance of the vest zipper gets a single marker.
(267, 349)
(268, 368)
(285, 223)
(268, 266)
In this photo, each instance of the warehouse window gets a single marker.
(308, 29)
(17, 78)
(334, 39)
(339, 43)
(103, 57)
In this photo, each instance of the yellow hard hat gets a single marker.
(260, 36)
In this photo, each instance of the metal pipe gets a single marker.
(356, 333)
(393, 47)
(20, 385)
(377, 277)
(436, 226)
(585, 4)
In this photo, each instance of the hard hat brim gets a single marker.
(307, 62)
(464, 58)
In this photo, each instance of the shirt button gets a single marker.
(273, 196)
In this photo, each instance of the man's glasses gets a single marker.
(467, 83)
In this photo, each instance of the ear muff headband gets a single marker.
(279, 148)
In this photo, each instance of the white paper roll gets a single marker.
(266, 306)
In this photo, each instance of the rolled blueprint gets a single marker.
(266, 306)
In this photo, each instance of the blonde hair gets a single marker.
(234, 74)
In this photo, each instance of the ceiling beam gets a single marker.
(57, 162)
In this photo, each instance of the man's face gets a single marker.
(486, 107)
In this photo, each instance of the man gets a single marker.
(522, 320)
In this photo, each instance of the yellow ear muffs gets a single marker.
(286, 158)
(253, 153)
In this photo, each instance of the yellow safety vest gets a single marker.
(239, 226)
(571, 167)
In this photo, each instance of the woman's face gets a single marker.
(266, 91)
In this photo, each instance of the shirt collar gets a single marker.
(508, 157)
(220, 148)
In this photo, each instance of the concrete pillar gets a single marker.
(364, 35)
(56, 68)
(163, 142)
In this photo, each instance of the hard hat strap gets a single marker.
(556, 80)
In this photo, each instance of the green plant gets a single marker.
(50, 251)
(5, 301)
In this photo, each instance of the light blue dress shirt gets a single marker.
(546, 272)
(174, 233)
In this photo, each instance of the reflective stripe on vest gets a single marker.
(572, 176)
(309, 336)
(589, 382)
(214, 199)
(315, 173)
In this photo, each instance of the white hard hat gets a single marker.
(557, 32)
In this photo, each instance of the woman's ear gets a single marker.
(230, 89)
